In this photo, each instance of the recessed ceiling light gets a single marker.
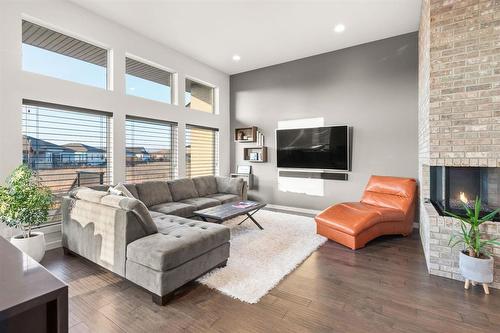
(236, 57)
(339, 28)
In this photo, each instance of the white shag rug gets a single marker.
(260, 259)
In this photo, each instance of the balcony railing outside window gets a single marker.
(67, 147)
(151, 150)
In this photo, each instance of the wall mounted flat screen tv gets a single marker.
(314, 148)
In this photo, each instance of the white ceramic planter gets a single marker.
(476, 269)
(33, 246)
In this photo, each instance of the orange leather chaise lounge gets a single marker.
(386, 208)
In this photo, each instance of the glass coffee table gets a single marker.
(231, 210)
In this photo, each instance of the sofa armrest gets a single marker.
(118, 202)
(99, 226)
(99, 233)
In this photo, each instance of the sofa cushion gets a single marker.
(180, 241)
(202, 203)
(354, 217)
(154, 214)
(174, 208)
(182, 189)
(128, 190)
(224, 197)
(390, 192)
(134, 205)
(154, 192)
(349, 217)
(205, 185)
(166, 223)
(230, 185)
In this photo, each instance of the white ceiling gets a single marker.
(262, 32)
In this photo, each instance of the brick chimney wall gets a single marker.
(459, 110)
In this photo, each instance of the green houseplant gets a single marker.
(476, 262)
(24, 204)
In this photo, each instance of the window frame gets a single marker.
(109, 86)
(107, 173)
(215, 95)
(173, 78)
(174, 144)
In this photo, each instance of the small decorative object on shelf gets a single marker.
(475, 262)
(255, 154)
(246, 134)
(260, 139)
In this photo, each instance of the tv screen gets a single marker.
(315, 148)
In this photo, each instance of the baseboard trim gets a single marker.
(53, 245)
(416, 225)
(294, 209)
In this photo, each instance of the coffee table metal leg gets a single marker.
(249, 216)
(253, 220)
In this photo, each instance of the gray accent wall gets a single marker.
(371, 87)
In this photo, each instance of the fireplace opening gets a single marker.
(451, 187)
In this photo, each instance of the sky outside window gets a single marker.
(41, 61)
(147, 89)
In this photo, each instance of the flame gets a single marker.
(463, 198)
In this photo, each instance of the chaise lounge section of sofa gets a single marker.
(145, 235)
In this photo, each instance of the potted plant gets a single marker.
(475, 262)
(24, 204)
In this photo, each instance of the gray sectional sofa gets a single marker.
(143, 231)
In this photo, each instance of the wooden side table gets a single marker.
(31, 298)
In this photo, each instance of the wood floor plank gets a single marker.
(384, 287)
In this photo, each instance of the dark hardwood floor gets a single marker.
(384, 287)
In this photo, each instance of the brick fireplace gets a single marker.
(459, 119)
(452, 188)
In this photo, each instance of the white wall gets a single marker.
(16, 85)
(371, 87)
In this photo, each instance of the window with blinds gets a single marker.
(54, 54)
(148, 81)
(67, 147)
(151, 150)
(202, 151)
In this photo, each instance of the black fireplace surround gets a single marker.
(452, 186)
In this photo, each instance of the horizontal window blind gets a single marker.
(151, 150)
(67, 147)
(202, 151)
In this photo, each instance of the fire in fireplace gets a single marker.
(451, 187)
